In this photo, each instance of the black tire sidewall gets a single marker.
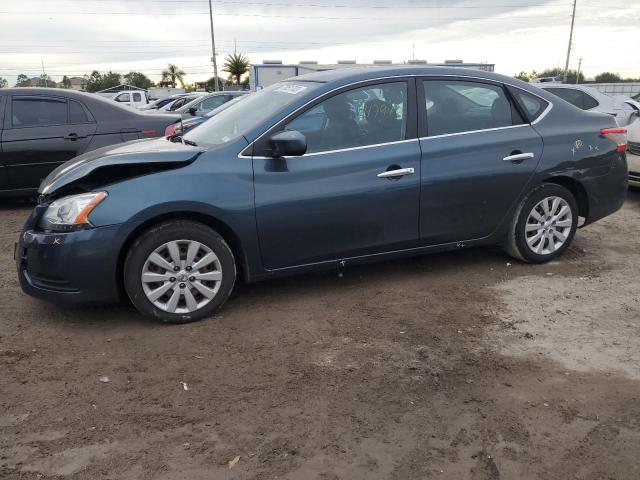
(166, 232)
(543, 191)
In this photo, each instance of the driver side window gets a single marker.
(363, 116)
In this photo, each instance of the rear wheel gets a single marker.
(179, 272)
(544, 224)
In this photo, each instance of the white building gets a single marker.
(272, 71)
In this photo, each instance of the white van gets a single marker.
(131, 98)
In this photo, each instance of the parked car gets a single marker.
(633, 154)
(171, 107)
(321, 171)
(161, 102)
(41, 128)
(202, 105)
(131, 98)
(592, 99)
(190, 123)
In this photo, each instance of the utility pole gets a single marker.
(44, 73)
(213, 50)
(573, 18)
(578, 74)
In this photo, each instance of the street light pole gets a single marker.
(566, 65)
(213, 50)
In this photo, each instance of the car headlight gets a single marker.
(72, 212)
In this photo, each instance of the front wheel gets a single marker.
(544, 224)
(179, 272)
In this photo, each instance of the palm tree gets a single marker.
(173, 74)
(236, 65)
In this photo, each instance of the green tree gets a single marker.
(22, 81)
(607, 77)
(559, 72)
(236, 65)
(524, 76)
(98, 81)
(111, 79)
(3, 83)
(172, 74)
(210, 84)
(66, 83)
(138, 79)
(93, 81)
(45, 80)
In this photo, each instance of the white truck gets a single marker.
(131, 98)
(156, 93)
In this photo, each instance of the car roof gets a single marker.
(376, 72)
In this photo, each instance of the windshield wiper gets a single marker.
(189, 142)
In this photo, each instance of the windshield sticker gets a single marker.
(291, 88)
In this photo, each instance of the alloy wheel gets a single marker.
(548, 225)
(181, 276)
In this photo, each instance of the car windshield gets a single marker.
(224, 106)
(240, 118)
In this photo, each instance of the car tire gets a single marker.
(179, 272)
(543, 225)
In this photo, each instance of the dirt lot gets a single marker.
(465, 365)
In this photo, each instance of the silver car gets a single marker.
(592, 99)
(633, 152)
(625, 110)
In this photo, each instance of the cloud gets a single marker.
(73, 37)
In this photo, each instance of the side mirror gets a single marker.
(289, 143)
(193, 111)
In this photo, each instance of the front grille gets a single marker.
(633, 147)
(634, 176)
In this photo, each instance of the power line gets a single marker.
(356, 6)
(260, 15)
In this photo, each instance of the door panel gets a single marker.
(38, 137)
(330, 206)
(31, 153)
(467, 187)
(332, 203)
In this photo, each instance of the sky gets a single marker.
(74, 37)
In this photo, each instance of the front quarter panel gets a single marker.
(218, 184)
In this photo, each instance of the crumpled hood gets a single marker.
(151, 152)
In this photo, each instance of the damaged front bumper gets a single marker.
(72, 267)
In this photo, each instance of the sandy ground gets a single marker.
(466, 365)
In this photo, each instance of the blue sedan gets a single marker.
(322, 171)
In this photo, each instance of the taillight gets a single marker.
(618, 136)
(171, 129)
(149, 132)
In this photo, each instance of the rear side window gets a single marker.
(590, 102)
(38, 111)
(137, 97)
(532, 105)
(455, 106)
(575, 97)
(214, 102)
(77, 113)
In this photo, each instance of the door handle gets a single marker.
(518, 157)
(400, 172)
(74, 136)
